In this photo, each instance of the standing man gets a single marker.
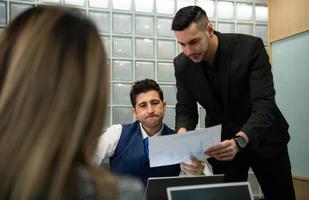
(126, 145)
(229, 75)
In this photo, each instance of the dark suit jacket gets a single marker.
(247, 90)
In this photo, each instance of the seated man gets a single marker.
(126, 145)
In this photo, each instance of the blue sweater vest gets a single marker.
(130, 158)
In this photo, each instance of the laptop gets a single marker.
(220, 191)
(156, 187)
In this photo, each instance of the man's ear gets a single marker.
(164, 105)
(134, 112)
(210, 29)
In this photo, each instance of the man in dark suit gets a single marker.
(229, 75)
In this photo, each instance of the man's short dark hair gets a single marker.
(143, 86)
(186, 15)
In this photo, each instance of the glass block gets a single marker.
(169, 92)
(16, 9)
(122, 47)
(244, 11)
(75, 2)
(144, 70)
(208, 6)
(121, 94)
(226, 27)
(101, 20)
(122, 23)
(122, 115)
(106, 44)
(169, 117)
(267, 50)
(50, 1)
(202, 116)
(225, 10)
(82, 12)
(165, 6)
(99, 3)
(184, 3)
(109, 85)
(144, 25)
(164, 27)
(166, 49)
(144, 6)
(2, 13)
(122, 4)
(122, 70)
(261, 13)
(144, 48)
(166, 72)
(107, 120)
(245, 29)
(262, 32)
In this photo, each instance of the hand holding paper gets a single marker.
(172, 149)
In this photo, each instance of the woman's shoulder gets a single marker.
(127, 188)
(130, 189)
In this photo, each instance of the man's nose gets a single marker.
(187, 50)
(150, 109)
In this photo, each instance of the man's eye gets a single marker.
(155, 102)
(193, 42)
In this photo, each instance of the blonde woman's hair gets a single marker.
(53, 91)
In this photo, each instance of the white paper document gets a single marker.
(176, 148)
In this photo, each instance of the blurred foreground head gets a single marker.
(53, 90)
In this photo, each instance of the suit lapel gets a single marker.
(225, 67)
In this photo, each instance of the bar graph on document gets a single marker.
(172, 149)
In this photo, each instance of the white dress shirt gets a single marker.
(108, 142)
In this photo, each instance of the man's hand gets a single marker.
(195, 168)
(182, 130)
(225, 150)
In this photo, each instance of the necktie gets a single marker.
(146, 147)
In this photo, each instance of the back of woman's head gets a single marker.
(53, 87)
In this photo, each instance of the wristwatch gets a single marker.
(240, 141)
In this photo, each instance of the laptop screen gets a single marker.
(221, 191)
(156, 187)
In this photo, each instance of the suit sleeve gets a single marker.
(262, 95)
(186, 106)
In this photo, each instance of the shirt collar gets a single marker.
(144, 133)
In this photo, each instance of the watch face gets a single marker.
(241, 142)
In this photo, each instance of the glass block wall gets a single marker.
(140, 44)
